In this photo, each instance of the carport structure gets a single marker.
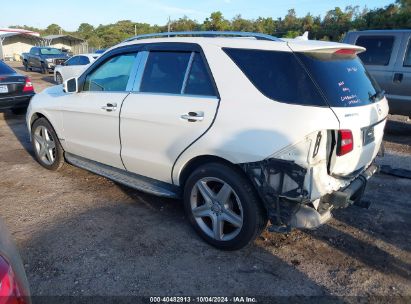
(13, 44)
(67, 42)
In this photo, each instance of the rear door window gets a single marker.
(277, 75)
(379, 49)
(165, 72)
(199, 82)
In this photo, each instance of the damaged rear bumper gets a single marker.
(309, 218)
(280, 184)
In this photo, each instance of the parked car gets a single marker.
(73, 67)
(100, 51)
(16, 90)
(44, 58)
(244, 130)
(388, 59)
(14, 287)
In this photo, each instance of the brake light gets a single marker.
(28, 86)
(345, 52)
(10, 292)
(345, 143)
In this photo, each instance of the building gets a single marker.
(14, 42)
(67, 42)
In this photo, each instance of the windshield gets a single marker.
(343, 79)
(51, 51)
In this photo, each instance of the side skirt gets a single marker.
(132, 180)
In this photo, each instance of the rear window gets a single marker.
(342, 78)
(278, 75)
(379, 49)
(5, 69)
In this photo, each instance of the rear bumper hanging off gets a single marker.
(280, 185)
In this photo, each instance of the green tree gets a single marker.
(53, 29)
(216, 22)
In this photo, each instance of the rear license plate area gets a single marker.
(4, 89)
(368, 135)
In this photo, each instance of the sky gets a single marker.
(70, 14)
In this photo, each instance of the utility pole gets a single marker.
(135, 29)
(169, 25)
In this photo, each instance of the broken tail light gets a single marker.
(28, 86)
(10, 292)
(345, 142)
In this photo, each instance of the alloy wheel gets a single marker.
(44, 145)
(216, 208)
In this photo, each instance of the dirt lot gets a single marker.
(81, 234)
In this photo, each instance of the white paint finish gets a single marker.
(153, 133)
(250, 127)
(89, 130)
(71, 71)
(85, 129)
(354, 119)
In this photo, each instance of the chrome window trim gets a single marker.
(140, 71)
(187, 73)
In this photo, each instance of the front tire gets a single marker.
(44, 69)
(46, 145)
(59, 78)
(223, 206)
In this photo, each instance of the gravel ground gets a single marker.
(81, 234)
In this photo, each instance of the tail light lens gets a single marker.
(345, 142)
(10, 292)
(345, 52)
(28, 86)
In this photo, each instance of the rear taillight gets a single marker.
(10, 292)
(345, 52)
(28, 86)
(345, 142)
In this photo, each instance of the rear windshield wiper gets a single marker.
(377, 96)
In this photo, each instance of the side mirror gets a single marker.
(71, 85)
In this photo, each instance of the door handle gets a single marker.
(110, 107)
(397, 77)
(193, 116)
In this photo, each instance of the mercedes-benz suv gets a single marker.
(244, 127)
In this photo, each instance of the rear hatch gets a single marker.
(353, 96)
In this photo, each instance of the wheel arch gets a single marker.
(36, 116)
(198, 161)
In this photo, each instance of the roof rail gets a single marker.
(257, 36)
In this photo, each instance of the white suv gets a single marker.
(245, 130)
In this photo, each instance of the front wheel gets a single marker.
(44, 69)
(223, 206)
(59, 78)
(46, 145)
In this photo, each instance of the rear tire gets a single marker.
(223, 206)
(46, 145)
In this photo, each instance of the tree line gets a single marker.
(332, 26)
